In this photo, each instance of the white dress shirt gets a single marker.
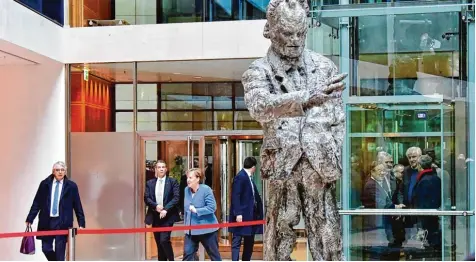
(159, 191)
(251, 181)
(60, 188)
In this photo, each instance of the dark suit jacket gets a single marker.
(171, 201)
(375, 196)
(427, 195)
(243, 203)
(68, 201)
(407, 173)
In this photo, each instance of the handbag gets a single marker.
(28, 243)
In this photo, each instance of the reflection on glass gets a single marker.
(124, 122)
(53, 9)
(419, 56)
(146, 96)
(181, 11)
(423, 241)
(124, 96)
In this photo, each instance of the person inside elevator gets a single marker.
(162, 199)
(397, 234)
(427, 195)
(246, 205)
(199, 206)
(378, 229)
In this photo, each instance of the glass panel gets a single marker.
(124, 122)
(146, 96)
(372, 237)
(419, 55)
(186, 126)
(147, 121)
(181, 11)
(124, 96)
(243, 121)
(186, 116)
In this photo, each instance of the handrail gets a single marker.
(404, 212)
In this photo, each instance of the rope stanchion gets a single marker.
(131, 230)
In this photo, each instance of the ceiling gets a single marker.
(9, 59)
(170, 71)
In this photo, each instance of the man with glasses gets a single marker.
(56, 189)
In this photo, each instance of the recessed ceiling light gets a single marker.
(197, 77)
(177, 73)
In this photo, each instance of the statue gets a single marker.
(295, 94)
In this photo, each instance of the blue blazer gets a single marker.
(69, 201)
(171, 200)
(205, 203)
(243, 203)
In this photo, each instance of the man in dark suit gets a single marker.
(162, 197)
(55, 200)
(246, 205)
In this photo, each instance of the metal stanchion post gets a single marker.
(72, 232)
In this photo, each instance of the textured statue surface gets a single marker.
(296, 96)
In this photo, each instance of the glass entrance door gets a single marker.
(180, 153)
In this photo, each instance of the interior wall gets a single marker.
(43, 37)
(32, 138)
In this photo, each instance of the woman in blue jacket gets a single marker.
(199, 209)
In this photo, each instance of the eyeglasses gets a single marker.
(60, 169)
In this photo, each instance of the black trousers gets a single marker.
(59, 251)
(209, 242)
(164, 246)
(248, 244)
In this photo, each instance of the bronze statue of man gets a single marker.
(296, 96)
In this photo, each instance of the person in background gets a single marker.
(427, 195)
(162, 198)
(246, 205)
(56, 189)
(377, 194)
(199, 206)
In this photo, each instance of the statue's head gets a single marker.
(286, 26)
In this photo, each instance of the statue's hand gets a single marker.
(335, 84)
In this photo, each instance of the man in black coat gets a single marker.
(162, 198)
(55, 200)
(246, 205)
(427, 195)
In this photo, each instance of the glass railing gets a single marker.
(51, 9)
(135, 12)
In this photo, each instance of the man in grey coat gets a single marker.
(296, 96)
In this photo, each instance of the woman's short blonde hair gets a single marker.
(198, 173)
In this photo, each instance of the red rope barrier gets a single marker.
(131, 230)
(36, 233)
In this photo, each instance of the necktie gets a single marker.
(160, 195)
(55, 199)
(252, 187)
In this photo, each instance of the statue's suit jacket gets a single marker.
(289, 128)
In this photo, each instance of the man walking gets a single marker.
(55, 200)
(246, 205)
(162, 197)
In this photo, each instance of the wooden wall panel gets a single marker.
(82, 10)
(90, 104)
